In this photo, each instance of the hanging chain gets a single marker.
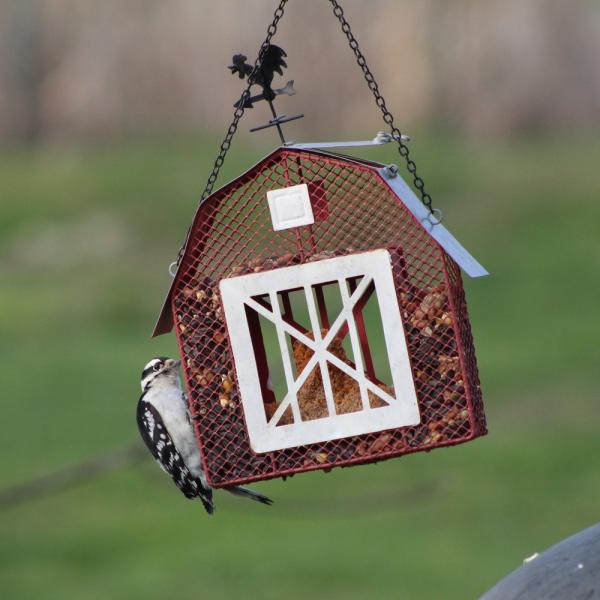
(239, 111)
(373, 86)
(237, 115)
(380, 101)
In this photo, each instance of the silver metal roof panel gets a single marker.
(435, 229)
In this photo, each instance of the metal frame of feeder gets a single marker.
(359, 206)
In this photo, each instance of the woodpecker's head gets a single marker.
(160, 370)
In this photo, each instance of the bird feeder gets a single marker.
(321, 319)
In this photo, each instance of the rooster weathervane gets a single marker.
(273, 62)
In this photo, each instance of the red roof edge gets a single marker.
(164, 324)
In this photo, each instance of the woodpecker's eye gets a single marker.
(157, 366)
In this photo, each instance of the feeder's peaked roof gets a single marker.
(396, 184)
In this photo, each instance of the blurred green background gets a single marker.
(88, 226)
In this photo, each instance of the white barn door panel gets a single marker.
(239, 294)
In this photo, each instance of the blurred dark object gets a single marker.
(568, 570)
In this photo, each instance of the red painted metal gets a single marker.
(232, 234)
(322, 306)
(260, 356)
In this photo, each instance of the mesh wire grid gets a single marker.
(354, 211)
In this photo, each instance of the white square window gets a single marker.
(290, 207)
(355, 397)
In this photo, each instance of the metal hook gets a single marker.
(434, 218)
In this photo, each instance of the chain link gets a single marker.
(237, 115)
(380, 101)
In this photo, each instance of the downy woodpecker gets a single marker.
(165, 425)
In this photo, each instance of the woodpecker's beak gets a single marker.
(172, 364)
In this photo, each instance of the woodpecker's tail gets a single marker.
(208, 505)
(246, 493)
(206, 497)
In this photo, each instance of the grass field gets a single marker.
(86, 236)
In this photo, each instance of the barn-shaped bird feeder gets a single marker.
(321, 319)
(320, 313)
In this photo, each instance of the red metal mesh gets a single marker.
(354, 211)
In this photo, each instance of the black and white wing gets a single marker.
(159, 442)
